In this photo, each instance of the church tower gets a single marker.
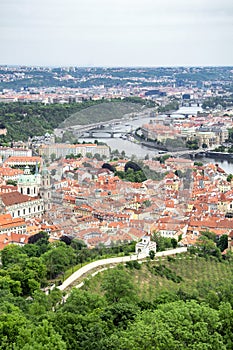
(45, 189)
(29, 184)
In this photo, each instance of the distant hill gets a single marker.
(101, 112)
(24, 120)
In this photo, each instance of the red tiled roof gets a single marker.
(15, 198)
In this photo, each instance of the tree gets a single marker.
(133, 166)
(42, 235)
(118, 286)
(123, 154)
(162, 243)
(89, 155)
(31, 250)
(115, 152)
(179, 173)
(173, 326)
(209, 234)
(82, 302)
(147, 203)
(87, 165)
(11, 255)
(120, 314)
(192, 144)
(151, 254)
(207, 247)
(12, 324)
(34, 268)
(80, 331)
(12, 286)
(53, 157)
(198, 163)
(58, 259)
(226, 317)
(97, 156)
(41, 240)
(222, 243)
(42, 336)
(174, 242)
(66, 239)
(11, 182)
(78, 244)
(109, 167)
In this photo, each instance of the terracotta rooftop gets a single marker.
(15, 198)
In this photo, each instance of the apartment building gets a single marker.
(61, 150)
(6, 152)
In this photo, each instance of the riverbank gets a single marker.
(220, 155)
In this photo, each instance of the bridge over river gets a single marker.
(79, 130)
(192, 153)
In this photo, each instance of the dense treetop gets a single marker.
(24, 120)
(182, 302)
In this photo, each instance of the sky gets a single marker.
(116, 32)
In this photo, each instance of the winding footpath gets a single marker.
(85, 269)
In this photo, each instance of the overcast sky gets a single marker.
(116, 32)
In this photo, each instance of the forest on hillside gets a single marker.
(24, 120)
(174, 303)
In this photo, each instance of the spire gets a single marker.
(44, 171)
(37, 168)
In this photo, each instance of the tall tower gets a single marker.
(45, 189)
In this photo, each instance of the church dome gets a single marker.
(27, 178)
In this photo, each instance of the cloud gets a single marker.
(75, 27)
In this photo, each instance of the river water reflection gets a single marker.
(117, 143)
(226, 165)
(131, 148)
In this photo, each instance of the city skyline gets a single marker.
(117, 33)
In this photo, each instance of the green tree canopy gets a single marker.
(118, 286)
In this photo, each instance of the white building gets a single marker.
(145, 246)
(29, 184)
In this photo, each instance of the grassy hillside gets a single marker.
(23, 120)
(182, 303)
(101, 112)
(198, 277)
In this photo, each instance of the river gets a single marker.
(117, 143)
(226, 165)
(135, 149)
